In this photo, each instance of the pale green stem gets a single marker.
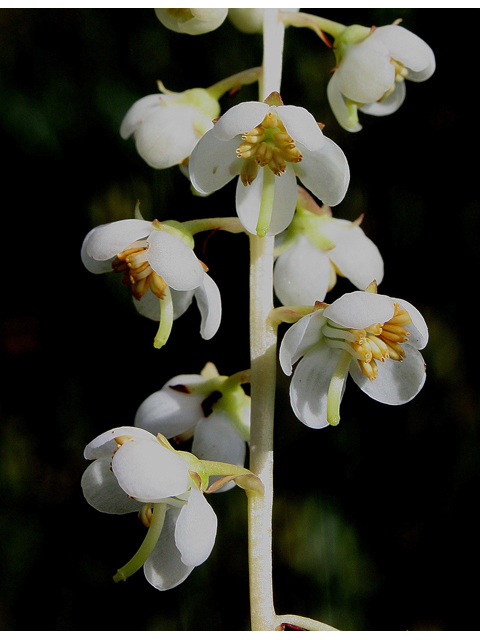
(166, 320)
(234, 82)
(232, 225)
(147, 546)
(335, 389)
(316, 23)
(266, 206)
(263, 355)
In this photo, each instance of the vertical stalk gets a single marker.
(263, 348)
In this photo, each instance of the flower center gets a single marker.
(379, 341)
(267, 145)
(401, 72)
(137, 272)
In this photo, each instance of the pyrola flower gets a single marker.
(268, 145)
(192, 21)
(373, 337)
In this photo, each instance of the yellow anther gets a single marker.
(145, 514)
(122, 439)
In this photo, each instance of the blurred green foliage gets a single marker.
(375, 520)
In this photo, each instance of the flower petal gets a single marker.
(356, 256)
(137, 112)
(104, 445)
(396, 382)
(241, 118)
(284, 201)
(324, 172)
(339, 107)
(366, 72)
(102, 491)
(310, 384)
(360, 309)
(164, 568)
(213, 163)
(109, 239)
(167, 136)
(150, 472)
(176, 263)
(407, 48)
(170, 411)
(210, 305)
(389, 105)
(300, 338)
(302, 274)
(196, 529)
(94, 266)
(301, 126)
(418, 328)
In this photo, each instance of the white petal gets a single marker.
(284, 201)
(196, 529)
(389, 105)
(396, 382)
(137, 112)
(324, 172)
(241, 118)
(109, 239)
(300, 338)
(210, 305)
(104, 445)
(164, 568)
(360, 309)
(171, 411)
(94, 266)
(149, 305)
(149, 471)
(338, 106)
(301, 126)
(176, 263)
(407, 48)
(213, 163)
(302, 274)
(355, 255)
(167, 136)
(181, 301)
(102, 491)
(310, 384)
(217, 439)
(366, 72)
(418, 328)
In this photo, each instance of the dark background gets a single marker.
(375, 520)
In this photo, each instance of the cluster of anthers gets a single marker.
(401, 72)
(137, 272)
(268, 144)
(379, 341)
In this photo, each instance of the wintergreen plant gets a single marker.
(297, 250)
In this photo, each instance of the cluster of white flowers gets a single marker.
(269, 147)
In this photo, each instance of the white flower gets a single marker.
(132, 470)
(371, 69)
(269, 147)
(206, 406)
(352, 335)
(192, 21)
(160, 267)
(166, 126)
(315, 248)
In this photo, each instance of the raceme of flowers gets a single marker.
(158, 264)
(373, 337)
(132, 470)
(371, 68)
(315, 248)
(268, 147)
(209, 407)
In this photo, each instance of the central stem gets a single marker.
(263, 354)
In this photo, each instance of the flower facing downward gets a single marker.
(161, 269)
(373, 337)
(371, 68)
(192, 21)
(315, 248)
(268, 145)
(132, 470)
(213, 409)
(166, 126)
